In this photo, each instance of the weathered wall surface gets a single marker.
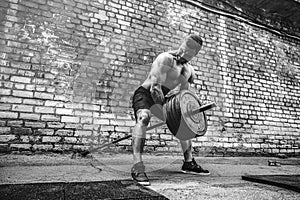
(69, 67)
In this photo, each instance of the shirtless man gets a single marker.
(169, 70)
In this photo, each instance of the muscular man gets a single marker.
(169, 70)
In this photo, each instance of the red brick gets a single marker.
(64, 111)
(33, 102)
(64, 132)
(22, 108)
(35, 124)
(16, 123)
(44, 132)
(55, 125)
(21, 147)
(50, 118)
(5, 107)
(44, 110)
(22, 93)
(11, 115)
(5, 91)
(10, 100)
(83, 133)
(4, 130)
(70, 140)
(51, 139)
(70, 119)
(30, 116)
(40, 95)
(20, 79)
(42, 147)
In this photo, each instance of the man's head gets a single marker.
(189, 48)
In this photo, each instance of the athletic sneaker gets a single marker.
(193, 168)
(138, 174)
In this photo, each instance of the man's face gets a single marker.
(188, 54)
(181, 61)
(188, 50)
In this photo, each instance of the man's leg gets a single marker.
(138, 142)
(139, 134)
(187, 150)
(190, 165)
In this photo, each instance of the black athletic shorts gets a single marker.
(142, 99)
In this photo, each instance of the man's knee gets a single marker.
(143, 117)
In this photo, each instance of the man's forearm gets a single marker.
(185, 86)
(157, 93)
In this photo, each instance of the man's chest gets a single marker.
(180, 72)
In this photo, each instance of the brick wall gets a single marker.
(69, 69)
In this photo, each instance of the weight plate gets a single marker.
(197, 122)
(170, 117)
(180, 123)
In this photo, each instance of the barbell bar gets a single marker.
(196, 111)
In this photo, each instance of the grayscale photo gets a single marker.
(149, 99)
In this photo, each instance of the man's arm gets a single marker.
(160, 67)
(188, 75)
(155, 90)
(157, 94)
(185, 86)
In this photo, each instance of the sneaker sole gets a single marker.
(189, 172)
(143, 183)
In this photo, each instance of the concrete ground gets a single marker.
(225, 181)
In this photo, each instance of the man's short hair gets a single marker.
(197, 38)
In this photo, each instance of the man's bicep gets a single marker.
(185, 86)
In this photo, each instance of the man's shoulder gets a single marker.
(165, 55)
(164, 58)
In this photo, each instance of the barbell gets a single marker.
(184, 116)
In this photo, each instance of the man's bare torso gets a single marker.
(168, 73)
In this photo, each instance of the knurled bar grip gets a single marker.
(202, 108)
